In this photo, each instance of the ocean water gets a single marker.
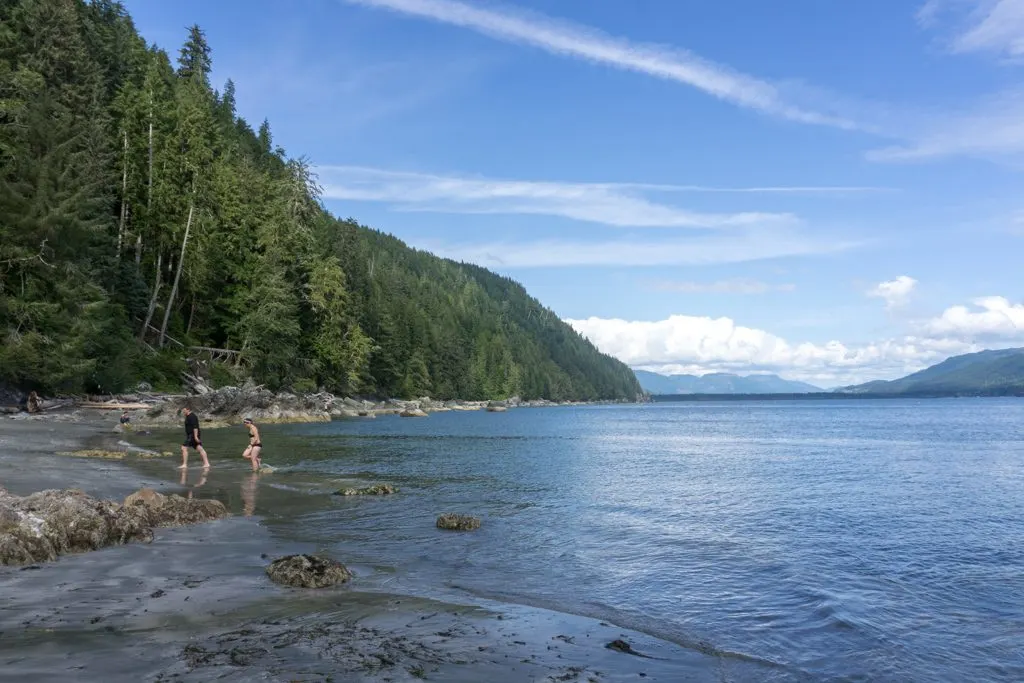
(848, 541)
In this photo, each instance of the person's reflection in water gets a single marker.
(249, 494)
(202, 480)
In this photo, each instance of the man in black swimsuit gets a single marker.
(192, 440)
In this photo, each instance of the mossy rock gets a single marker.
(96, 453)
(307, 571)
(375, 490)
(455, 522)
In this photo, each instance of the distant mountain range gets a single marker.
(720, 383)
(985, 372)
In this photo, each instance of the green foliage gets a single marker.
(140, 216)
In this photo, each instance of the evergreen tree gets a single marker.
(194, 59)
(140, 217)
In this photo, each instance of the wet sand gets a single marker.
(196, 605)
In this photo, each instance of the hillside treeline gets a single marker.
(142, 220)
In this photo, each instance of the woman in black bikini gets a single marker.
(255, 446)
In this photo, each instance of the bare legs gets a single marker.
(184, 457)
(253, 453)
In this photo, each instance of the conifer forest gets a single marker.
(144, 223)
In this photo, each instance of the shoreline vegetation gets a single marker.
(148, 231)
(227, 406)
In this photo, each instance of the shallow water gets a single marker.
(860, 540)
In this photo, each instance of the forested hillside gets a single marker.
(995, 373)
(142, 219)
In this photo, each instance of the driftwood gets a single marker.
(114, 406)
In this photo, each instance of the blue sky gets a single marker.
(829, 191)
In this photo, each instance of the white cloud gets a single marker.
(608, 203)
(583, 42)
(734, 286)
(737, 247)
(995, 26)
(702, 344)
(991, 129)
(992, 317)
(697, 345)
(895, 292)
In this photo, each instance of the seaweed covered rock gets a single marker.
(145, 496)
(158, 510)
(375, 490)
(47, 524)
(307, 571)
(96, 453)
(456, 522)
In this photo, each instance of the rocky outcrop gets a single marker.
(228, 405)
(375, 490)
(158, 510)
(48, 524)
(456, 522)
(307, 571)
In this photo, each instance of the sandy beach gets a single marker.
(196, 605)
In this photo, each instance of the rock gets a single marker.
(227, 406)
(496, 409)
(457, 522)
(412, 412)
(144, 387)
(375, 490)
(45, 525)
(147, 497)
(307, 571)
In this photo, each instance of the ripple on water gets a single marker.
(860, 541)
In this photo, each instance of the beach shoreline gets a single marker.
(195, 603)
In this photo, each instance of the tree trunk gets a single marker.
(124, 200)
(191, 316)
(177, 275)
(149, 186)
(152, 299)
(138, 251)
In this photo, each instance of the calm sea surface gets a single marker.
(860, 540)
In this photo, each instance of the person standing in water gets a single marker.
(255, 445)
(192, 440)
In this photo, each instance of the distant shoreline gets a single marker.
(829, 396)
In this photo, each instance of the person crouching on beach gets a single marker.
(255, 446)
(192, 440)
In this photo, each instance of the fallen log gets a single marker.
(114, 406)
